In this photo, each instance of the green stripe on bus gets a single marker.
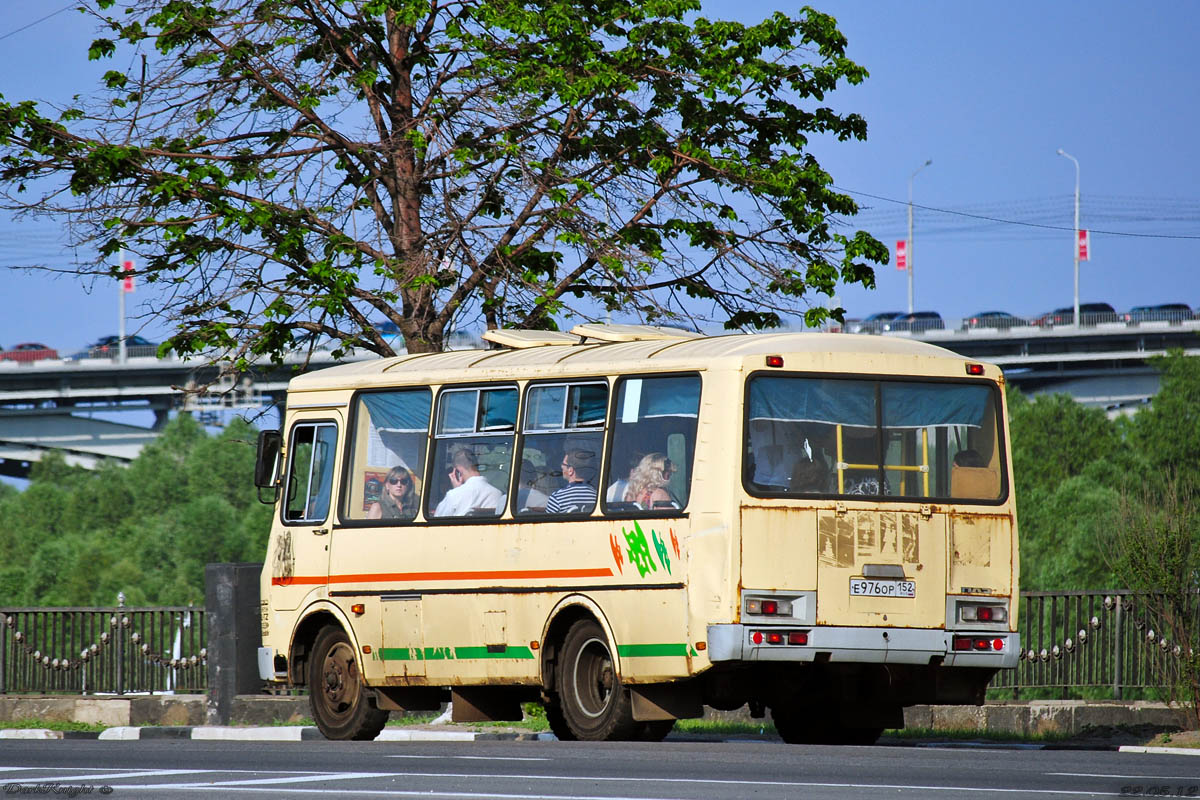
(444, 653)
(652, 650)
(482, 652)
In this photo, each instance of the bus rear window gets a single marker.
(886, 439)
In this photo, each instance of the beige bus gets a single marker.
(629, 523)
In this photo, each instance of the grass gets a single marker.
(972, 734)
(724, 728)
(53, 725)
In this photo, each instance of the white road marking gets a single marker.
(429, 794)
(274, 784)
(474, 758)
(106, 776)
(325, 776)
(1140, 776)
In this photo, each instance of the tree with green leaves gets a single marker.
(1068, 462)
(78, 537)
(291, 168)
(1155, 550)
(1055, 438)
(1167, 433)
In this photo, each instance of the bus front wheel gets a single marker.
(595, 704)
(340, 700)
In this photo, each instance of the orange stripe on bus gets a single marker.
(513, 574)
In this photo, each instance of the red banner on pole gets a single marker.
(127, 281)
(1085, 244)
(902, 254)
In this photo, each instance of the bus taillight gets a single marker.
(780, 637)
(976, 643)
(973, 612)
(772, 608)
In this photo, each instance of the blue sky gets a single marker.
(988, 91)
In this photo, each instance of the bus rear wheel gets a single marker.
(341, 703)
(595, 704)
(655, 730)
(811, 726)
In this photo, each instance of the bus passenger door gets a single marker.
(299, 554)
(881, 568)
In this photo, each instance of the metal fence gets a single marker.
(1076, 640)
(1071, 640)
(116, 650)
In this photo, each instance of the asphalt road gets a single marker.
(578, 771)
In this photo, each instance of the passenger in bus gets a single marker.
(529, 497)
(616, 490)
(648, 480)
(810, 476)
(579, 495)
(772, 463)
(398, 499)
(471, 491)
(861, 479)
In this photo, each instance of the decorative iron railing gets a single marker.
(1070, 641)
(1079, 639)
(116, 650)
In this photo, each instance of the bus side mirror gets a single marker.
(266, 463)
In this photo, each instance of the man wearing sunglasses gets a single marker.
(579, 495)
(470, 491)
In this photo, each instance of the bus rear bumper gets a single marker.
(735, 642)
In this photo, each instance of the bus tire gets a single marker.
(860, 735)
(797, 726)
(557, 722)
(596, 706)
(342, 705)
(655, 730)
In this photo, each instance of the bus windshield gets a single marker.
(880, 438)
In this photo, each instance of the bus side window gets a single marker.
(561, 446)
(310, 472)
(390, 436)
(653, 444)
(473, 449)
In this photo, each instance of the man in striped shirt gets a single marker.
(578, 496)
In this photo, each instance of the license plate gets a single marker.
(869, 587)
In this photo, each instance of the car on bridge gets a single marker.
(917, 321)
(26, 352)
(110, 346)
(1089, 314)
(1163, 312)
(993, 319)
(875, 322)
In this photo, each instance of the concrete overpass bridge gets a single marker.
(70, 405)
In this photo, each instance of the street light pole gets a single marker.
(121, 351)
(1075, 240)
(910, 233)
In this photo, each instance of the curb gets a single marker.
(45, 733)
(1177, 751)
(211, 733)
(291, 734)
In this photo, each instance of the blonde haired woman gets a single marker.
(647, 482)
